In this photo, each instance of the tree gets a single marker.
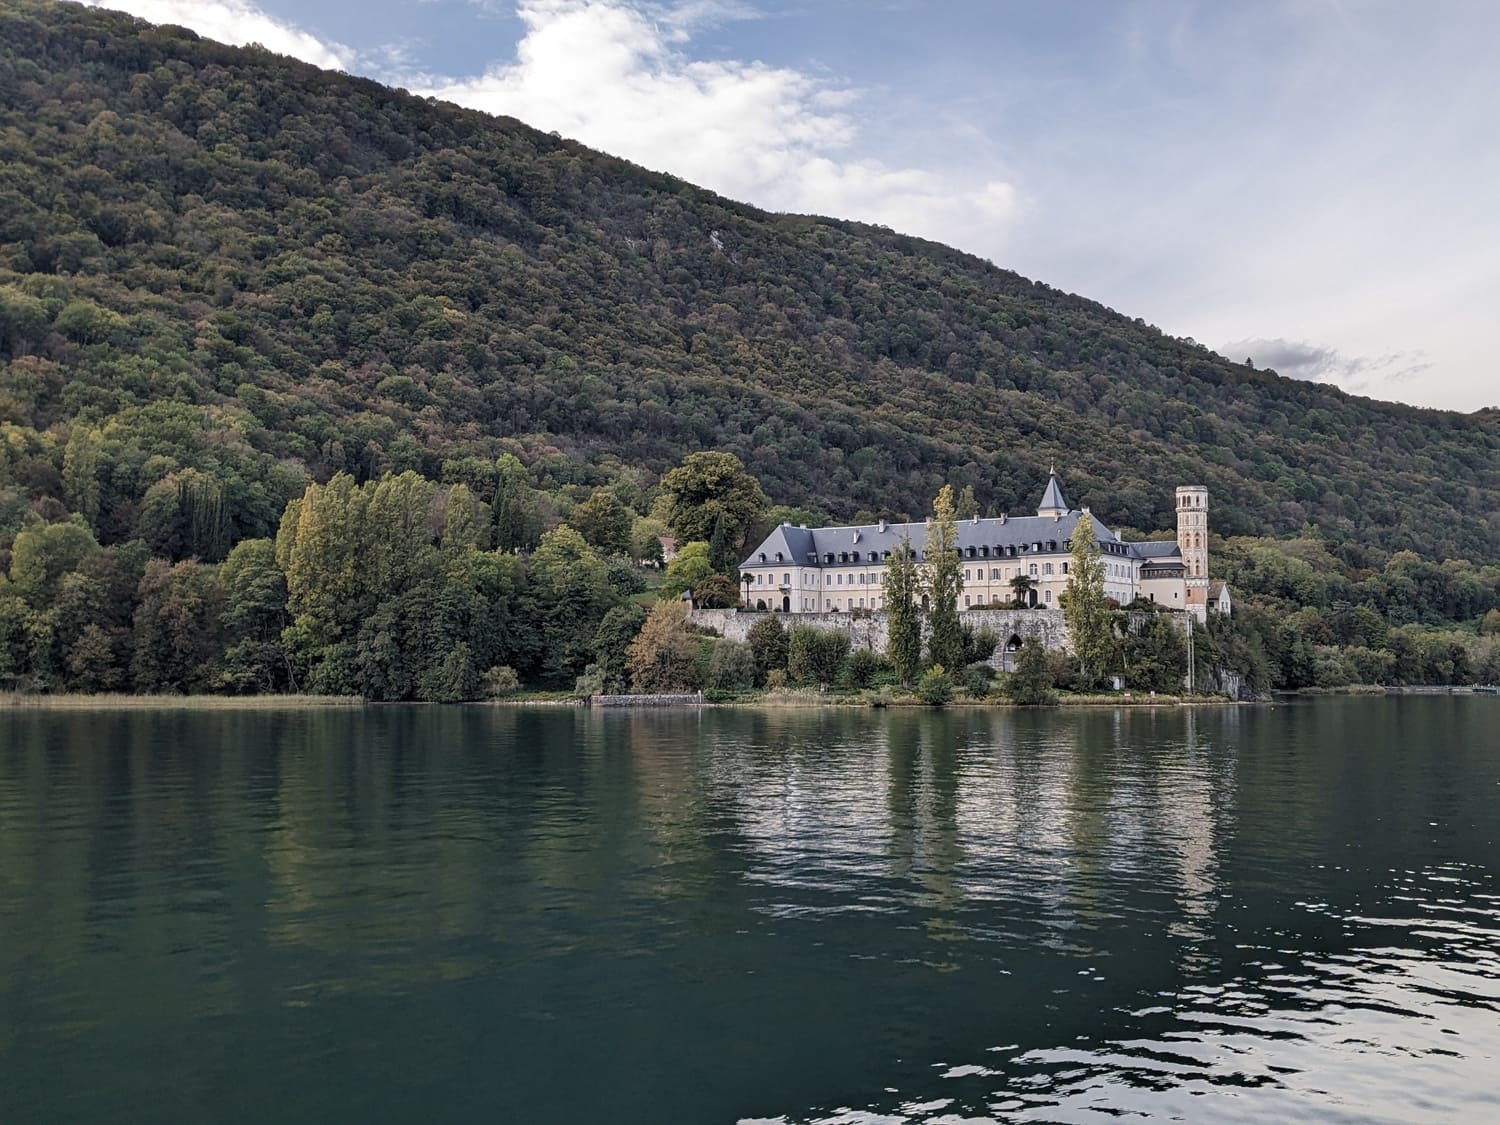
(768, 644)
(690, 568)
(708, 488)
(1021, 587)
(254, 618)
(518, 525)
(967, 505)
(731, 667)
(935, 687)
(663, 658)
(903, 618)
(1031, 682)
(177, 628)
(1155, 657)
(646, 535)
(603, 522)
(816, 656)
(1085, 606)
(612, 640)
(944, 568)
(568, 594)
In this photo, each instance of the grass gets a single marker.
(118, 701)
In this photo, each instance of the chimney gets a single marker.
(974, 518)
(882, 525)
(1003, 517)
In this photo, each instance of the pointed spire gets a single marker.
(1052, 503)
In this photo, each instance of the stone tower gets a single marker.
(1192, 541)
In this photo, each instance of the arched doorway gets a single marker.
(786, 604)
(1012, 646)
(926, 602)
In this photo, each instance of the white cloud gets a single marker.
(612, 74)
(236, 22)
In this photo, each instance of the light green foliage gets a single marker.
(41, 556)
(935, 688)
(902, 588)
(646, 534)
(1086, 608)
(710, 491)
(603, 522)
(944, 571)
(687, 571)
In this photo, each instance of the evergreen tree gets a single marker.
(1085, 606)
(945, 644)
(768, 644)
(518, 524)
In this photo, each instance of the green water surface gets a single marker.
(551, 915)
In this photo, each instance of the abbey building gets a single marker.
(1005, 559)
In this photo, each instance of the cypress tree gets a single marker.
(945, 646)
(904, 644)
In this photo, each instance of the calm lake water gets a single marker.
(497, 914)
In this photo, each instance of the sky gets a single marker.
(1310, 184)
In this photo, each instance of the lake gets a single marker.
(503, 914)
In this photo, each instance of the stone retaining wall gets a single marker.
(871, 630)
(693, 699)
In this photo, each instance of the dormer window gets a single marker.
(779, 558)
(762, 556)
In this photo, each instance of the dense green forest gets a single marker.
(239, 295)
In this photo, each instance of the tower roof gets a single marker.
(1052, 499)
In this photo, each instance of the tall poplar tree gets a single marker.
(1085, 606)
(946, 643)
(903, 581)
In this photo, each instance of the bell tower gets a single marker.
(1192, 541)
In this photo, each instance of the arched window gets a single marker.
(1032, 568)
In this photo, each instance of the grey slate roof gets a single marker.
(1053, 497)
(1156, 549)
(802, 546)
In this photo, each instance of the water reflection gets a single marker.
(792, 916)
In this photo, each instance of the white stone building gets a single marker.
(842, 569)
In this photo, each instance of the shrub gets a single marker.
(501, 681)
(768, 644)
(935, 687)
(775, 679)
(977, 679)
(731, 667)
(1031, 682)
(815, 656)
(863, 666)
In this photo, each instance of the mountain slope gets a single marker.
(224, 260)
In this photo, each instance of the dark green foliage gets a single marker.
(863, 666)
(977, 679)
(731, 667)
(315, 271)
(815, 656)
(611, 643)
(902, 589)
(224, 275)
(1031, 682)
(978, 644)
(768, 644)
(1155, 657)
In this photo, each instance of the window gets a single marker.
(827, 604)
(861, 603)
(994, 573)
(841, 580)
(1033, 570)
(1046, 568)
(966, 601)
(779, 557)
(786, 579)
(966, 575)
(1047, 595)
(1065, 568)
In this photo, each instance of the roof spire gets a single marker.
(1052, 503)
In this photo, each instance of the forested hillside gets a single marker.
(223, 260)
(309, 383)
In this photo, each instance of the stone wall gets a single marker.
(870, 630)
